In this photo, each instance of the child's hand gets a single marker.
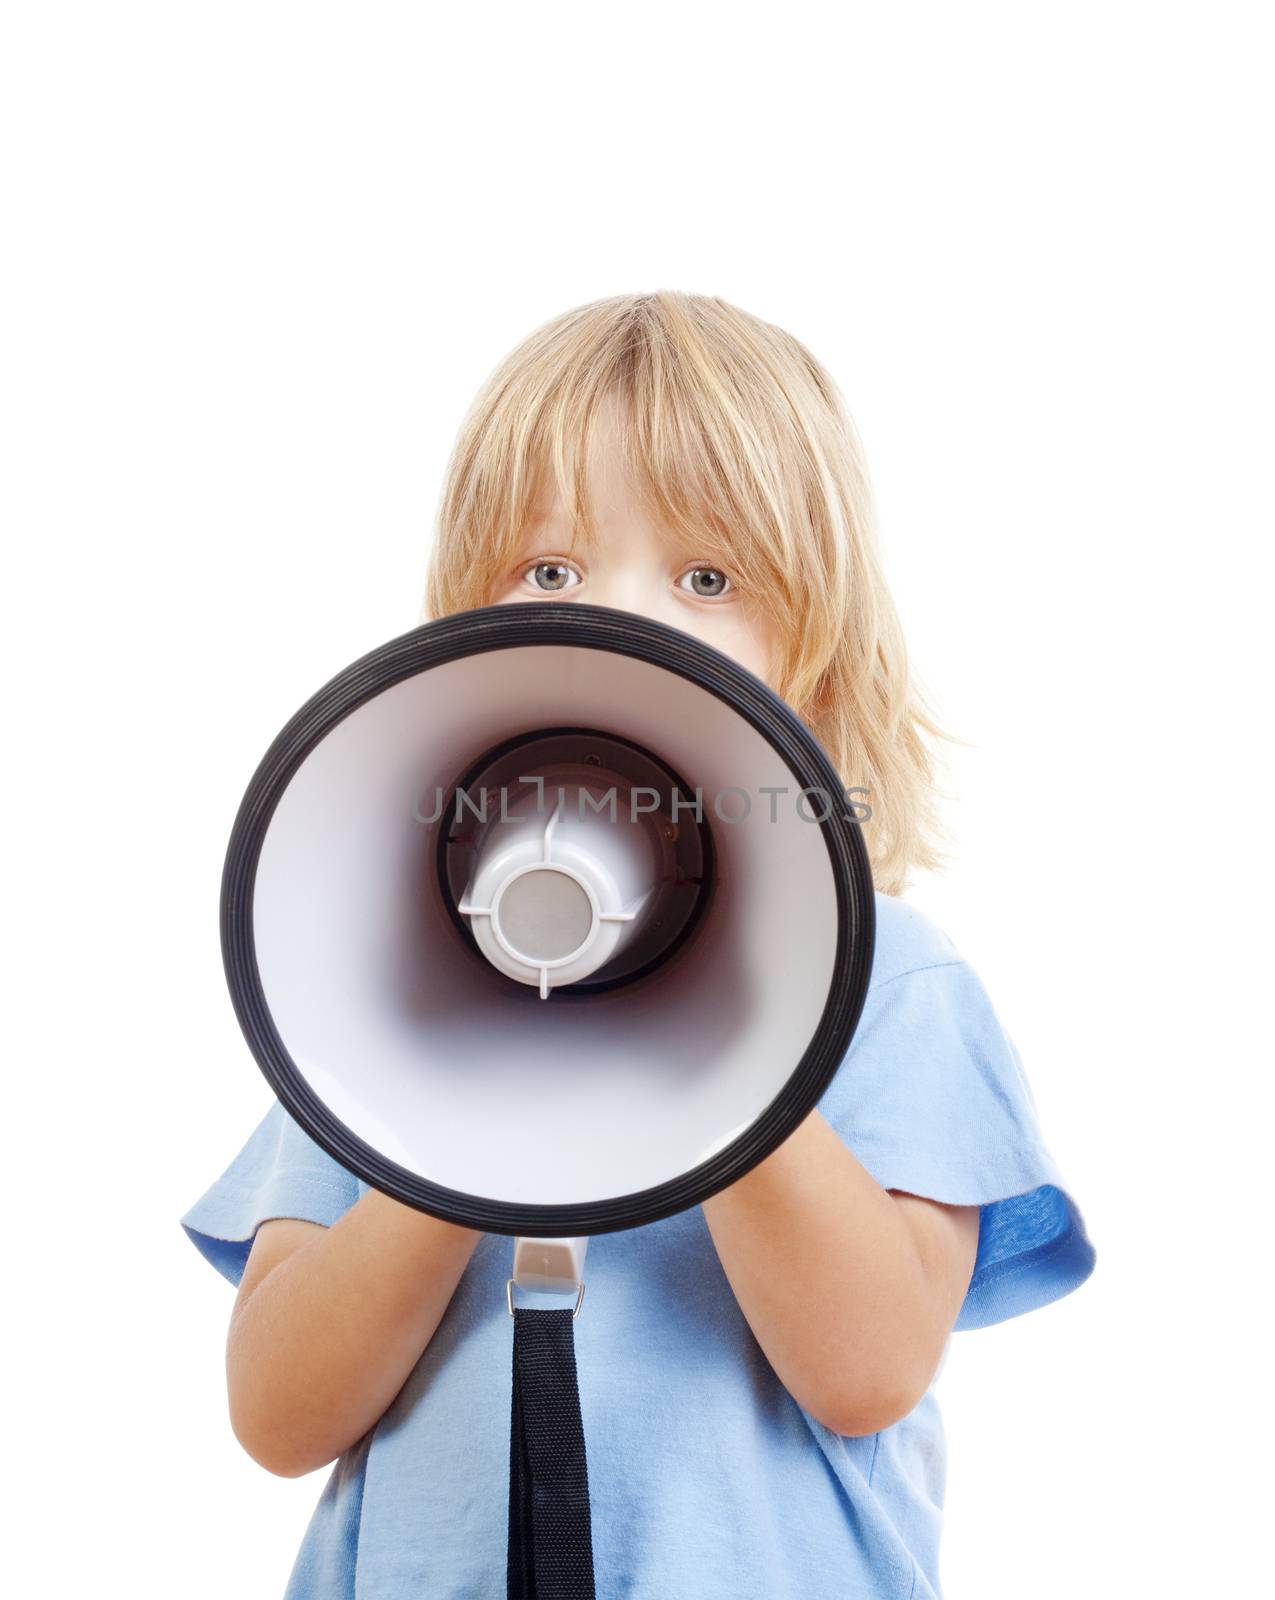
(850, 1289)
(329, 1322)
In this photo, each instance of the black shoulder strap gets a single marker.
(550, 1532)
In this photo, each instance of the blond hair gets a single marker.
(738, 440)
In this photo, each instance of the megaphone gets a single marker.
(548, 920)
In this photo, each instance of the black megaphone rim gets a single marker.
(504, 627)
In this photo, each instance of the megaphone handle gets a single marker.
(550, 1554)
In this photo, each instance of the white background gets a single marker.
(258, 259)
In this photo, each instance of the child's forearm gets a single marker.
(850, 1291)
(326, 1340)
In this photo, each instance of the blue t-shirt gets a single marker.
(705, 1477)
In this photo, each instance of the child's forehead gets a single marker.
(553, 524)
(611, 505)
(548, 516)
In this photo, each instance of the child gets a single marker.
(755, 1374)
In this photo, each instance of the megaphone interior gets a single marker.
(494, 958)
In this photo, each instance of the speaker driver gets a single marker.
(587, 774)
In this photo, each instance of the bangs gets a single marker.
(669, 478)
(709, 436)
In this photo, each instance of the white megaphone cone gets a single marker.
(549, 920)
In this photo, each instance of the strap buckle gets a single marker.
(509, 1298)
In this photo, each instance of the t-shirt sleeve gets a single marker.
(280, 1172)
(932, 1099)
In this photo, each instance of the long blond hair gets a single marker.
(739, 440)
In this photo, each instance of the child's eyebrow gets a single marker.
(554, 527)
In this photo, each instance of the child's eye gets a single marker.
(706, 582)
(550, 577)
